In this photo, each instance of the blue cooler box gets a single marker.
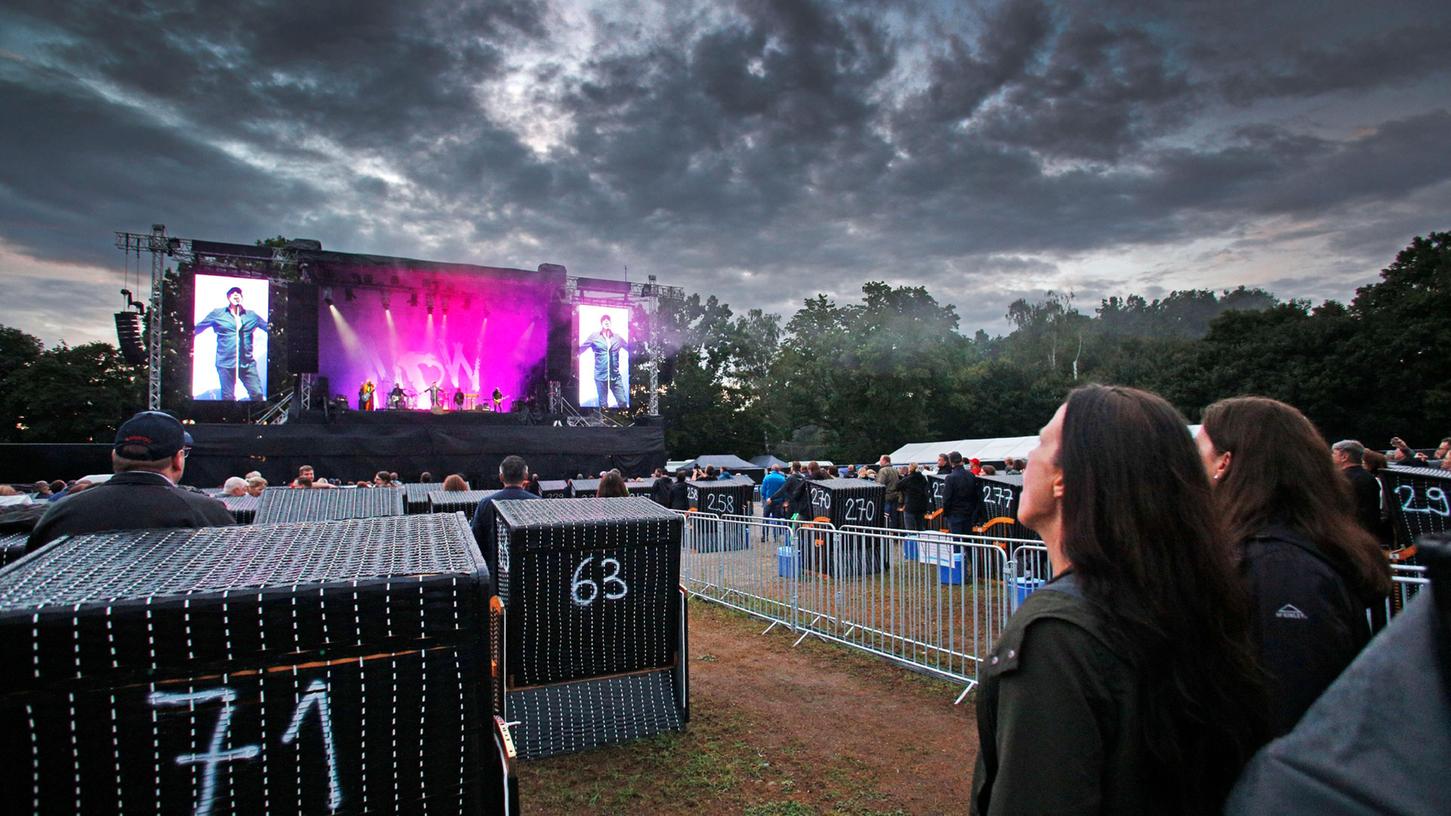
(786, 562)
(1025, 586)
(950, 574)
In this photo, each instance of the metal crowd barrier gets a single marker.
(928, 600)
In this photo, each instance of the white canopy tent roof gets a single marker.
(988, 450)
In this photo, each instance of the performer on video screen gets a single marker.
(365, 395)
(233, 326)
(606, 346)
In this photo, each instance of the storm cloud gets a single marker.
(760, 151)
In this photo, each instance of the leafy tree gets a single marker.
(70, 394)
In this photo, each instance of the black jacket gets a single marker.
(136, 500)
(793, 496)
(484, 525)
(960, 496)
(1366, 492)
(660, 491)
(1058, 712)
(913, 488)
(680, 496)
(1304, 618)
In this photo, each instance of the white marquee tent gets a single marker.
(988, 450)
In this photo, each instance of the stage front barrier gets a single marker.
(328, 504)
(336, 667)
(457, 501)
(594, 622)
(932, 601)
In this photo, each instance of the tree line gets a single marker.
(850, 381)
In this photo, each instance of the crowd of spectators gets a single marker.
(1206, 591)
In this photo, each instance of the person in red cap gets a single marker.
(148, 459)
(976, 466)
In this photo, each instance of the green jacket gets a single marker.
(1056, 711)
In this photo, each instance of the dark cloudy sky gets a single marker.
(760, 151)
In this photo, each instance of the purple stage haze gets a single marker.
(489, 329)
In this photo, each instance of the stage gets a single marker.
(353, 445)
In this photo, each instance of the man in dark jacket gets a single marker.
(148, 457)
(887, 477)
(513, 472)
(660, 490)
(680, 491)
(1349, 456)
(960, 496)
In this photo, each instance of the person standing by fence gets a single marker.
(1311, 569)
(913, 488)
(1127, 684)
(887, 476)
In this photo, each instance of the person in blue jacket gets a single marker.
(606, 346)
(234, 325)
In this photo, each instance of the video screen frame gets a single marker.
(231, 324)
(602, 355)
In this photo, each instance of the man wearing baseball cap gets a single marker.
(148, 458)
(233, 326)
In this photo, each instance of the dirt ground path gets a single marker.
(779, 731)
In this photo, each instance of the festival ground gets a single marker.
(779, 731)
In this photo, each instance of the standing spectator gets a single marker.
(612, 486)
(960, 497)
(513, 473)
(256, 485)
(234, 486)
(1311, 569)
(770, 484)
(660, 488)
(680, 491)
(304, 472)
(1385, 532)
(944, 466)
(913, 488)
(791, 499)
(454, 483)
(1349, 456)
(975, 466)
(425, 477)
(534, 486)
(148, 457)
(1127, 684)
(887, 477)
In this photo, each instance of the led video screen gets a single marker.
(603, 344)
(445, 341)
(229, 354)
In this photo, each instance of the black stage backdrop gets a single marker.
(353, 451)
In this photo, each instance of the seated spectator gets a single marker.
(304, 472)
(306, 482)
(42, 490)
(393, 477)
(612, 486)
(425, 477)
(454, 483)
(148, 457)
(255, 485)
(57, 487)
(1404, 456)
(256, 474)
(234, 486)
(989, 470)
(534, 486)
(382, 479)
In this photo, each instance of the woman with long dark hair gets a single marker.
(612, 485)
(1127, 684)
(1312, 570)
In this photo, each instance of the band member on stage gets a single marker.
(233, 326)
(458, 400)
(498, 400)
(434, 396)
(606, 346)
(365, 396)
(396, 398)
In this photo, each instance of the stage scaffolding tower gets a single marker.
(154, 242)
